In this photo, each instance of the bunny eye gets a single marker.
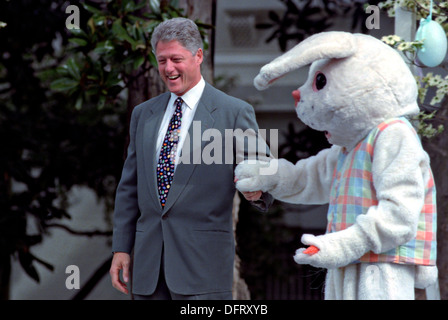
(320, 81)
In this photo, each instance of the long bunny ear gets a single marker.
(325, 45)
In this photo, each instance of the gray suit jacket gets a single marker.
(195, 227)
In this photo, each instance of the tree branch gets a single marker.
(93, 281)
(80, 233)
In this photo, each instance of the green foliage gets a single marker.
(112, 50)
(424, 126)
(103, 54)
(28, 121)
(401, 45)
(431, 80)
(421, 8)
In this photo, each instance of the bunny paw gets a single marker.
(250, 175)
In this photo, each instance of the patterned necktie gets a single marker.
(165, 166)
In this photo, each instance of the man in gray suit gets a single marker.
(182, 240)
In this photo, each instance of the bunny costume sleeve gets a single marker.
(308, 181)
(400, 172)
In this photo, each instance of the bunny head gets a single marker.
(355, 82)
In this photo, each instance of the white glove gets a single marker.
(336, 249)
(254, 175)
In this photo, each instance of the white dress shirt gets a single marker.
(191, 99)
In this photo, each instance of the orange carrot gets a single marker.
(311, 250)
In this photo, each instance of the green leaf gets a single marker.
(128, 60)
(150, 25)
(138, 62)
(140, 5)
(94, 91)
(92, 9)
(78, 41)
(154, 5)
(129, 6)
(73, 69)
(112, 78)
(79, 33)
(134, 32)
(153, 59)
(99, 20)
(63, 84)
(104, 47)
(62, 71)
(79, 102)
(93, 77)
(101, 102)
(121, 32)
(133, 19)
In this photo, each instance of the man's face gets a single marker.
(178, 68)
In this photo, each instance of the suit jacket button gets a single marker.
(164, 217)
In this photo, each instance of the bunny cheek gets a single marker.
(312, 108)
(312, 115)
(316, 116)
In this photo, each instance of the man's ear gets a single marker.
(199, 56)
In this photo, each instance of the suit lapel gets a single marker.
(150, 133)
(203, 118)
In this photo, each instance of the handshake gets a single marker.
(252, 177)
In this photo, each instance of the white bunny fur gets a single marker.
(367, 83)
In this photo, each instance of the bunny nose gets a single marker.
(296, 96)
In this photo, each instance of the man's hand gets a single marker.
(252, 196)
(120, 261)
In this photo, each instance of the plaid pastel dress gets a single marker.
(353, 193)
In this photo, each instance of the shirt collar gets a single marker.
(192, 96)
